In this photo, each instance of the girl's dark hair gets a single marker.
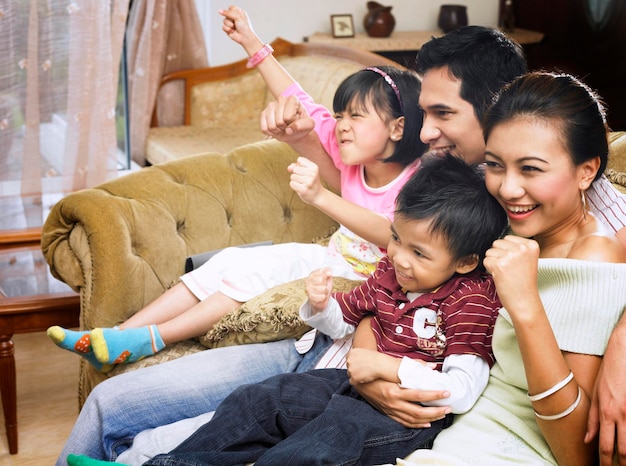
(367, 85)
(482, 58)
(453, 194)
(571, 105)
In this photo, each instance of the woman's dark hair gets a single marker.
(560, 98)
(482, 58)
(453, 194)
(371, 86)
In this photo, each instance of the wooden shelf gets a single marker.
(406, 40)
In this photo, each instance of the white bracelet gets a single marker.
(555, 388)
(572, 407)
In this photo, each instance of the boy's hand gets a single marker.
(319, 286)
(305, 180)
(286, 120)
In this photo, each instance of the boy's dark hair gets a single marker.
(366, 85)
(453, 194)
(483, 58)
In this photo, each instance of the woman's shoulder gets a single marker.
(598, 246)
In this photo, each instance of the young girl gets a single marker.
(374, 143)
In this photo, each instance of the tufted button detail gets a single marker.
(287, 214)
(239, 166)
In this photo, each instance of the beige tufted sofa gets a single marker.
(123, 243)
(223, 103)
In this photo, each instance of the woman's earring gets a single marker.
(584, 201)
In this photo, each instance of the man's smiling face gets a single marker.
(450, 123)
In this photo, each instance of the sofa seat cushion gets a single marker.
(168, 143)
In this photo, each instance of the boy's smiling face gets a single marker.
(422, 260)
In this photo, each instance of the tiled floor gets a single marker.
(47, 380)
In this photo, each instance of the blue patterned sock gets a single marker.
(76, 342)
(118, 346)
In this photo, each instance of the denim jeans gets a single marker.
(308, 418)
(123, 406)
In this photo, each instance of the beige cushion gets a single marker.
(271, 316)
(617, 178)
(617, 151)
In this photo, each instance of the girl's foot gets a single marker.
(78, 343)
(118, 346)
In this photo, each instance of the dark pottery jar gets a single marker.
(452, 17)
(378, 22)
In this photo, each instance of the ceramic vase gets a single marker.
(452, 17)
(378, 22)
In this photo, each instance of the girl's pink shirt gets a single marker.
(353, 186)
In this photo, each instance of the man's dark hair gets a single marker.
(453, 194)
(483, 58)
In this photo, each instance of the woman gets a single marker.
(562, 291)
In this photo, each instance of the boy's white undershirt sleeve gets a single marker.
(329, 321)
(465, 376)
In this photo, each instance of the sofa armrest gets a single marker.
(124, 242)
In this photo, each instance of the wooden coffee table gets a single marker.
(31, 300)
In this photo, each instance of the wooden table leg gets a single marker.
(8, 389)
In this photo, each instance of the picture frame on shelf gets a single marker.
(342, 25)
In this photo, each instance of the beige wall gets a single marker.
(294, 19)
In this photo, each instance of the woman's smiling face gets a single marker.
(529, 171)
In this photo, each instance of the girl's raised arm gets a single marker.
(237, 26)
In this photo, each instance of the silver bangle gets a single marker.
(571, 408)
(555, 388)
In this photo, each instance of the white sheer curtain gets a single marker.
(163, 36)
(59, 71)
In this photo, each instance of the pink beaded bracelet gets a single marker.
(261, 55)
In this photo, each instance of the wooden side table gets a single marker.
(402, 46)
(31, 300)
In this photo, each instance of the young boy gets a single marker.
(433, 311)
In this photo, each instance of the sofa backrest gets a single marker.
(244, 97)
(231, 93)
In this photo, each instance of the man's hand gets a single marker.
(286, 120)
(401, 404)
(319, 286)
(607, 414)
